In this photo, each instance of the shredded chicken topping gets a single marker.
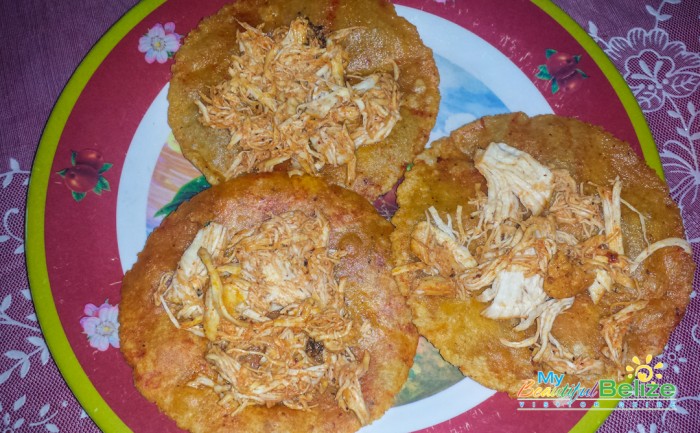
(535, 229)
(267, 301)
(289, 99)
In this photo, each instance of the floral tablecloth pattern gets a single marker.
(654, 44)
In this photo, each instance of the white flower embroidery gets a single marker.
(655, 68)
(20, 417)
(21, 360)
(14, 170)
(673, 358)
(663, 74)
(642, 429)
(13, 214)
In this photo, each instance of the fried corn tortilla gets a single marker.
(568, 283)
(376, 42)
(266, 303)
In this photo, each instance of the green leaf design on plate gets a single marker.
(103, 184)
(97, 189)
(429, 375)
(583, 74)
(185, 193)
(543, 74)
(77, 196)
(555, 86)
(73, 154)
(62, 173)
(106, 166)
(549, 53)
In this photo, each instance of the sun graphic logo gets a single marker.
(642, 386)
(644, 372)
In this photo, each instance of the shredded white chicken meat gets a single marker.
(289, 98)
(612, 216)
(437, 245)
(530, 213)
(572, 208)
(513, 175)
(267, 301)
(616, 326)
(603, 283)
(651, 249)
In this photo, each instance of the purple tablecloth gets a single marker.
(655, 44)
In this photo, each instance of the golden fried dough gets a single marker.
(165, 359)
(381, 37)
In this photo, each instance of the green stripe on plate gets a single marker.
(43, 299)
(641, 128)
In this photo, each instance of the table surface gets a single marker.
(43, 43)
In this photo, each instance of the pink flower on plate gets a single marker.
(160, 43)
(101, 325)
